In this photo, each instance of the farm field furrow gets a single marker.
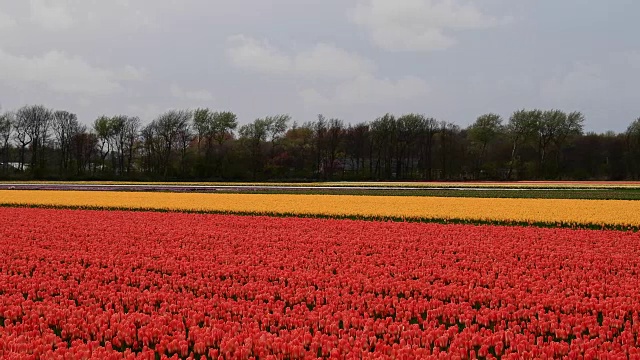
(566, 212)
(86, 283)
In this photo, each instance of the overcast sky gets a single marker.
(350, 59)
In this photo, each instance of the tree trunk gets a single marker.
(513, 159)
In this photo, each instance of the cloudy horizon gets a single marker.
(350, 59)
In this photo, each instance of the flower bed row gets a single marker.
(616, 214)
(145, 284)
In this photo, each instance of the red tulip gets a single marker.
(81, 284)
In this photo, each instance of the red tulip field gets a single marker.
(78, 284)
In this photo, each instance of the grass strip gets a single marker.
(595, 194)
(513, 193)
(568, 185)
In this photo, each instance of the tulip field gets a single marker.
(618, 214)
(218, 276)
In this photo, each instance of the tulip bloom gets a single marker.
(119, 284)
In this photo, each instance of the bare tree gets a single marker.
(185, 136)
(117, 139)
(103, 132)
(65, 125)
(320, 133)
(83, 148)
(6, 130)
(334, 141)
(169, 127)
(36, 121)
(150, 148)
(23, 138)
(131, 136)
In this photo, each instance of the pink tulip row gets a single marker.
(98, 284)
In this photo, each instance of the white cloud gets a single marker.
(626, 60)
(92, 15)
(583, 81)
(130, 73)
(6, 21)
(51, 15)
(350, 77)
(63, 73)
(326, 61)
(85, 102)
(146, 112)
(419, 25)
(634, 58)
(592, 82)
(194, 95)
(322, 61)
(248, 53)
(367, 89)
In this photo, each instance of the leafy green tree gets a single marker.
(482, 133)
(212, 130)
(409, 127)
(632, 139)
(223, 124)
(358, 147)
(448, 133)
(299, 144)
(253, 135)
(522, 126)
(172, 128)
(429, 129)
(383, 135)
(571, 127)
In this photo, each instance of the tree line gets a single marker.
(532, 144)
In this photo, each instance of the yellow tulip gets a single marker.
(548, 211)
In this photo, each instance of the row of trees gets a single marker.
(201, 144)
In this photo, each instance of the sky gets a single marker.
(349, 59)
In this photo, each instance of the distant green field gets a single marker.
(595, 194)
